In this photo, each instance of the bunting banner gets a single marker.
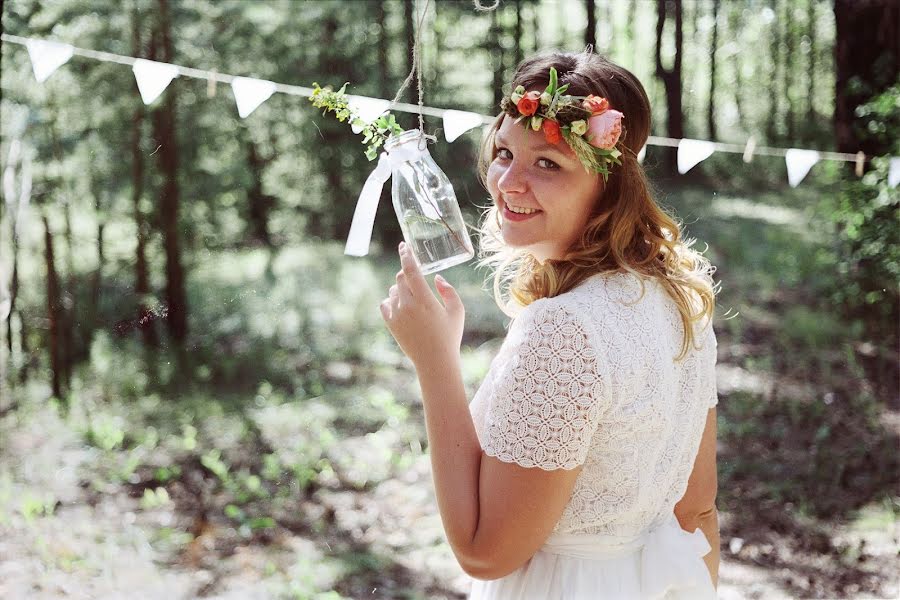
(457, 122)
(799, 162)
(153, 78)
(642, 154)
(894, 172)
(367, 109)
(249, 93)
(691, 152)
(46, 57)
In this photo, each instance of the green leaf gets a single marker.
(551, 89)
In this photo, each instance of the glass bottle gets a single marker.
(426, 205)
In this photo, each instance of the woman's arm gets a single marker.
(698, 506)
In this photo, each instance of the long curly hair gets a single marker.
(626, 231)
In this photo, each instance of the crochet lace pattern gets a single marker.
(589, 378)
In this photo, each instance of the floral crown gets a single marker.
(588, 124)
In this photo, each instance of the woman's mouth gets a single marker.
(514, 216)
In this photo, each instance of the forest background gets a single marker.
(198, 394)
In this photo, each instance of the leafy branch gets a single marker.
(374, 133)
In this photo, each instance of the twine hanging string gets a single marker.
(417, 70)
(425, 138)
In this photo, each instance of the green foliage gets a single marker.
(374, 133)
(865, 215)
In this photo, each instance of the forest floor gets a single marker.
(311, 480)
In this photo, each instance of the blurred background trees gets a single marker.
(177, 252)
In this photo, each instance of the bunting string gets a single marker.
(250, 93)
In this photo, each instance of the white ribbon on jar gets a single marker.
(364, 216)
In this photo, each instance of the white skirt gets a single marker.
(666, 562)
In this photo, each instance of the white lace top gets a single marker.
(584, 378)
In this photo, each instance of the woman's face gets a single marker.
(527, 172)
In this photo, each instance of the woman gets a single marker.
(585, 465)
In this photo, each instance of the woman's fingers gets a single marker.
(418, 287)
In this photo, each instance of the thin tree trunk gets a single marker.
(517, 34)
(788, 37)
(631, 28)
(141, 274)
(590, 30)
(259, 202)
(734, 26)
(54, 313)
(535, 28)
(67, 299)
(811, 90)
(164, 125)
(711, 111)
(92, 321)
(383, 40)
(774, 92)
(409, 13)
(499, 59)
(671, 79)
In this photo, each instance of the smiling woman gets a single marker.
(585, 465)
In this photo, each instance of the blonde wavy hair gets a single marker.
(627, 230)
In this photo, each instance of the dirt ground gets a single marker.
(62, 537)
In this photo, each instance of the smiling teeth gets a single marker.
(521, 211)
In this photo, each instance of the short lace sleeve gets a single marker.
(548, 398)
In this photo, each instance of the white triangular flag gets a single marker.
(894, 171)
(367, 109)
(46, 57)
(153, 78)
(799, 162)
(249, 93)
(457, 122)
(691, 152)
(642, 154)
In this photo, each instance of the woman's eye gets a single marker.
(544, 163)
(548, 164)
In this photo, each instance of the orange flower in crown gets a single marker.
(588, 124)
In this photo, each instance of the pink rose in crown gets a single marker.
(604, 129)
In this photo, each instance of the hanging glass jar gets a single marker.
(426, 205)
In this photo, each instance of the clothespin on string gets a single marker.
(211, 84)
(749, 148)
(860, 163)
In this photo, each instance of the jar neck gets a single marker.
(411, 136)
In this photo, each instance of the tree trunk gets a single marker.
(866, 65)
(590, 30)
(788, 37)
(92, 321)
(383, 41)
(671, 79)
(517, 41)
(409, 13)
(811, 93)
(259, 202)
(734, 26)
(54, 313)
(499, 59)
(711, 110)
(775, 61)
(164, 126)
(141, 276)
(631, 28)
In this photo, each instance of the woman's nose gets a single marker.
(512, 180)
